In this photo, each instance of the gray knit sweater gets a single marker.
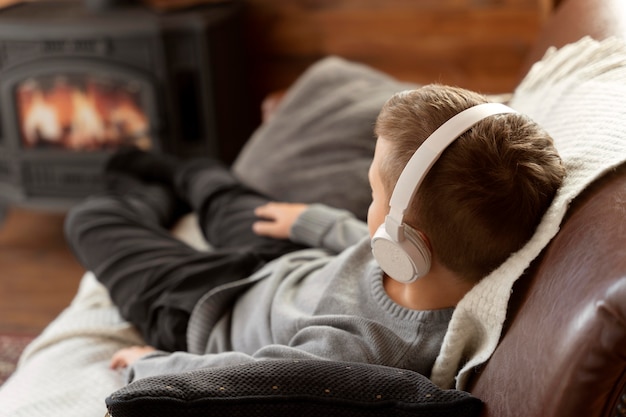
(326, 303)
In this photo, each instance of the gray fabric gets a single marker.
(309, 304)
(318, 146)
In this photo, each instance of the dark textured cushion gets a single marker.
(318, 145)
(291, 388)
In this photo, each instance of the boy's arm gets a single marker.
(413, 345)
(314, 225)
(313, 343)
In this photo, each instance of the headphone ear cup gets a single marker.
(404, 261)
(418, 250)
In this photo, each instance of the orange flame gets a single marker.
(92, 117)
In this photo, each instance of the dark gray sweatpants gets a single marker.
(153, 278)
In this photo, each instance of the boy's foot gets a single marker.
(145, 166)
(152, 200)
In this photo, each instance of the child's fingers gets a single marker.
(268, 226)
(118, 361)
(267, 211)
(127, 356)
(262, 228)
(276, 219)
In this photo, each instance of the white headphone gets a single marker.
(397, 247)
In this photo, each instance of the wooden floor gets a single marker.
(38, 273)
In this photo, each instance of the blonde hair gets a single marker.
(485, 196)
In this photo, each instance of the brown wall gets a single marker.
(478, 44)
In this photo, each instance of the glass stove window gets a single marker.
(81, 112)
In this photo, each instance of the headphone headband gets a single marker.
(425, 157)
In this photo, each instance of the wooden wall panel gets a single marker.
(478, 44)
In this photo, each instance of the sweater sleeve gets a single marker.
(316, 342)
(329, 228)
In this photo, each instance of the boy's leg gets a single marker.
(224, 205)
(225, 208)
(153, 278)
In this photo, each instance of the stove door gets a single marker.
(62, 119)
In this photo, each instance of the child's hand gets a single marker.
(127, 356)
(277, 219)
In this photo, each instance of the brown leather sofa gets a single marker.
(563, 351)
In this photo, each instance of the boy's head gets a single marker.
(484, 197)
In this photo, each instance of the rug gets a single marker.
(11, 347)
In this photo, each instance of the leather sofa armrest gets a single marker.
(563, 348)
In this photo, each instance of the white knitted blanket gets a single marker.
(578, 94)
(65, 371)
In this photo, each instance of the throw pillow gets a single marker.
(318, 145)
(291, 388)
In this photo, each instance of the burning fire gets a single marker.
(80, 114)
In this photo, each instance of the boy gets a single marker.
(258, 295)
